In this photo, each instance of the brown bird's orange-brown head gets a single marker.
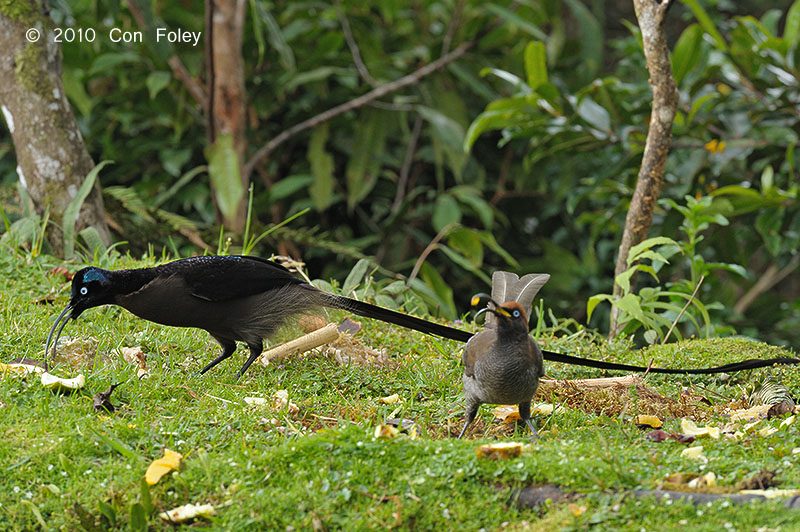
(511, 310)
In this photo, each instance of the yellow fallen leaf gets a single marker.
(751, 426)
(390, 399)
(496, 451)
(542, 409)
(690, 428)
(187, 512)
(695, 453)
(650, 421)
(21, 369)
(386, 431)
(161, 466)
(51, 382)
(772, 493)
(506, 413)
(767, 431)
(576, 510)
(709, 480)
(788, 421)
(750, 414)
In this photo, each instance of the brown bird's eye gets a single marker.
(515, 314)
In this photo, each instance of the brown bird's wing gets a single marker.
(536, 353)
(478, 345)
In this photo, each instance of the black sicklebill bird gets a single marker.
(502, 363)
(234, 298)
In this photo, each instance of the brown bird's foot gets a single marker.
(525, 415)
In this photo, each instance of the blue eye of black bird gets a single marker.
(84, 290)
(515, 314)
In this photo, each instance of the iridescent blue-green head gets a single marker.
(91, 287)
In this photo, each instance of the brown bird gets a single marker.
(502, 363)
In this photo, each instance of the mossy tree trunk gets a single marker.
(52, 160)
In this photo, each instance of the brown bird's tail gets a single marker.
(397, 318)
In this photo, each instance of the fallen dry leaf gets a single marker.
(281, 402)
(188, 512)
(576, 510)
(497, 451)
(690, 428)
(390, 399)
(750, 414)
(507, 413)
(135, 356)
(695, 453)
(709, 480)
(385, 432)
(649, 421)
(60, 271)
(58, 384)
(161, 466)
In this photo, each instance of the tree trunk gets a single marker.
(52, 160)
(651, 15)
(226, 113)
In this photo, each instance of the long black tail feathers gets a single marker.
(398, 318)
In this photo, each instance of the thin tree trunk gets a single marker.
(227, 101)
(52, 160)
(651, 15)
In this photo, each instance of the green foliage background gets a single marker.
(528, 146)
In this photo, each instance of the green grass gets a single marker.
(322, 469)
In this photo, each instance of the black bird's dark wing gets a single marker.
(222, 278)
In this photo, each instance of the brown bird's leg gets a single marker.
(472, 411)
(255, 351)
(525, 415)
(228, 347)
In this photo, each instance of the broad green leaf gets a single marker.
(288, 186)
(321, 162)
(466, 242)
(687, 52)
(593, 302)
(92, 238)
(70, 215)
(630, 303)
(699, 103)
(355, 277)
(595, 114)
(111, 61)
(462, 261)
(624, 280)
(470, 196)
(486, 121)
(225, 174)
(536, 64)
(768, 224)
(276, 36)
(767, 178)
(489, 241)
(791, 29)
(451, 135)
(513, 18)
(652, 255)
(137, 518)
(365, 160)
(72, 78)
(156, 82)
(647, 244)
(705, 21)
(650, 336)
(443, 291)
(591, 38)
(445, 212)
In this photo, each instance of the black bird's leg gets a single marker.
(255, 351)
(228, 347)
(525, 415)
(472, 411)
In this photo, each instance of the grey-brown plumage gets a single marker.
(234, 298)
(502, 364)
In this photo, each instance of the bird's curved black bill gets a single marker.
(65, 317)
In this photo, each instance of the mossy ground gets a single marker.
(265, 469)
